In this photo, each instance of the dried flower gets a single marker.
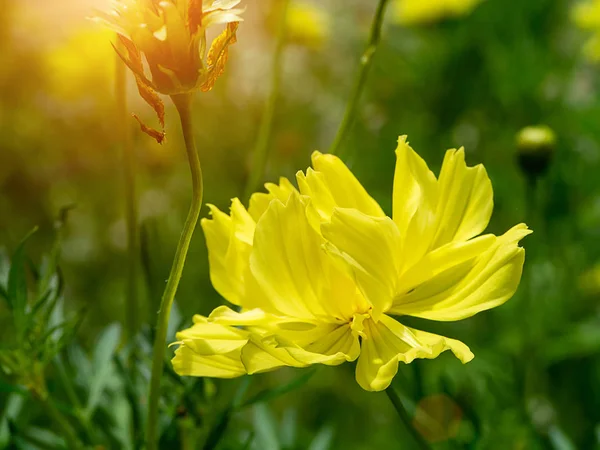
(170, 37)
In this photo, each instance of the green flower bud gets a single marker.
(535, 148)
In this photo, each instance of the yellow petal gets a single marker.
(465, 200)
(471, 286)
(442, 259)
(414, 200)
(431, 213)
(371, 245)
(439, 344)
(334, 348)
(264, 355)
(388, 342)
(229, 241)
(189, 363)
(259, 202)
(293, 273)
(332, 184)
(415, 186)
(226, 316)
(210, 350)
(176, 32)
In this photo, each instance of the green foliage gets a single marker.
(66, 377)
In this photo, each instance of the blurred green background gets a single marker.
(472, 81)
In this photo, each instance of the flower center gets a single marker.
(357, 323)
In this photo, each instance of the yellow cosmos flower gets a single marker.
(307, 24)
(320, 273)
(410, 12)
(171, 36)
(587, 17)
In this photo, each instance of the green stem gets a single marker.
(183, 104)
(132, 308)
(366, 61)
(395, 399)
(59, 420)
(131, 206)
(261, 151)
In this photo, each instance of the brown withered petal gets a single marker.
(218, 54)
(159, 136)
(152, 98)
(135, 58)
(194, 15)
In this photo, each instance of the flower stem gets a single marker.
(131, 205)
(261, 151)
(366, 61)
(395, 399)
(183, 104)
(132, 308)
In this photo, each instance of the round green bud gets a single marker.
(535, 148)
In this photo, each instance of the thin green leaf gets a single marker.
(217, 432)
(265, 427)
(271, 393)
(17, 282)
(7, 388)
(69, 328)
(323, 439)
(41, 438)
(249, 441)
(559, 440)
(4, 432)
(50, 268)
(102, 365)
(4, 294)
(289, 428)
(14, 405)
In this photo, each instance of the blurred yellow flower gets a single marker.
(318, 273)
(587, 17)
(171, 36)
(589, 281)
(69, 77)
(409, 12)
(307, 24)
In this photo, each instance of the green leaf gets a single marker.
(69, 329)
(14, 404)
(7, 388)
(265, 427)
(42, 438)
(17, 282)
(559, 440)
(4, 432)
(323, 439)
(102, 365)
(289, 428)
(4, 294)
(271, 393)
(580, 341)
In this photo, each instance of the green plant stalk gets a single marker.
(261, 151)
(132, 308)
(395, 399)
(366, 61)
(184, 107)
(131, 204)
(59, 420)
